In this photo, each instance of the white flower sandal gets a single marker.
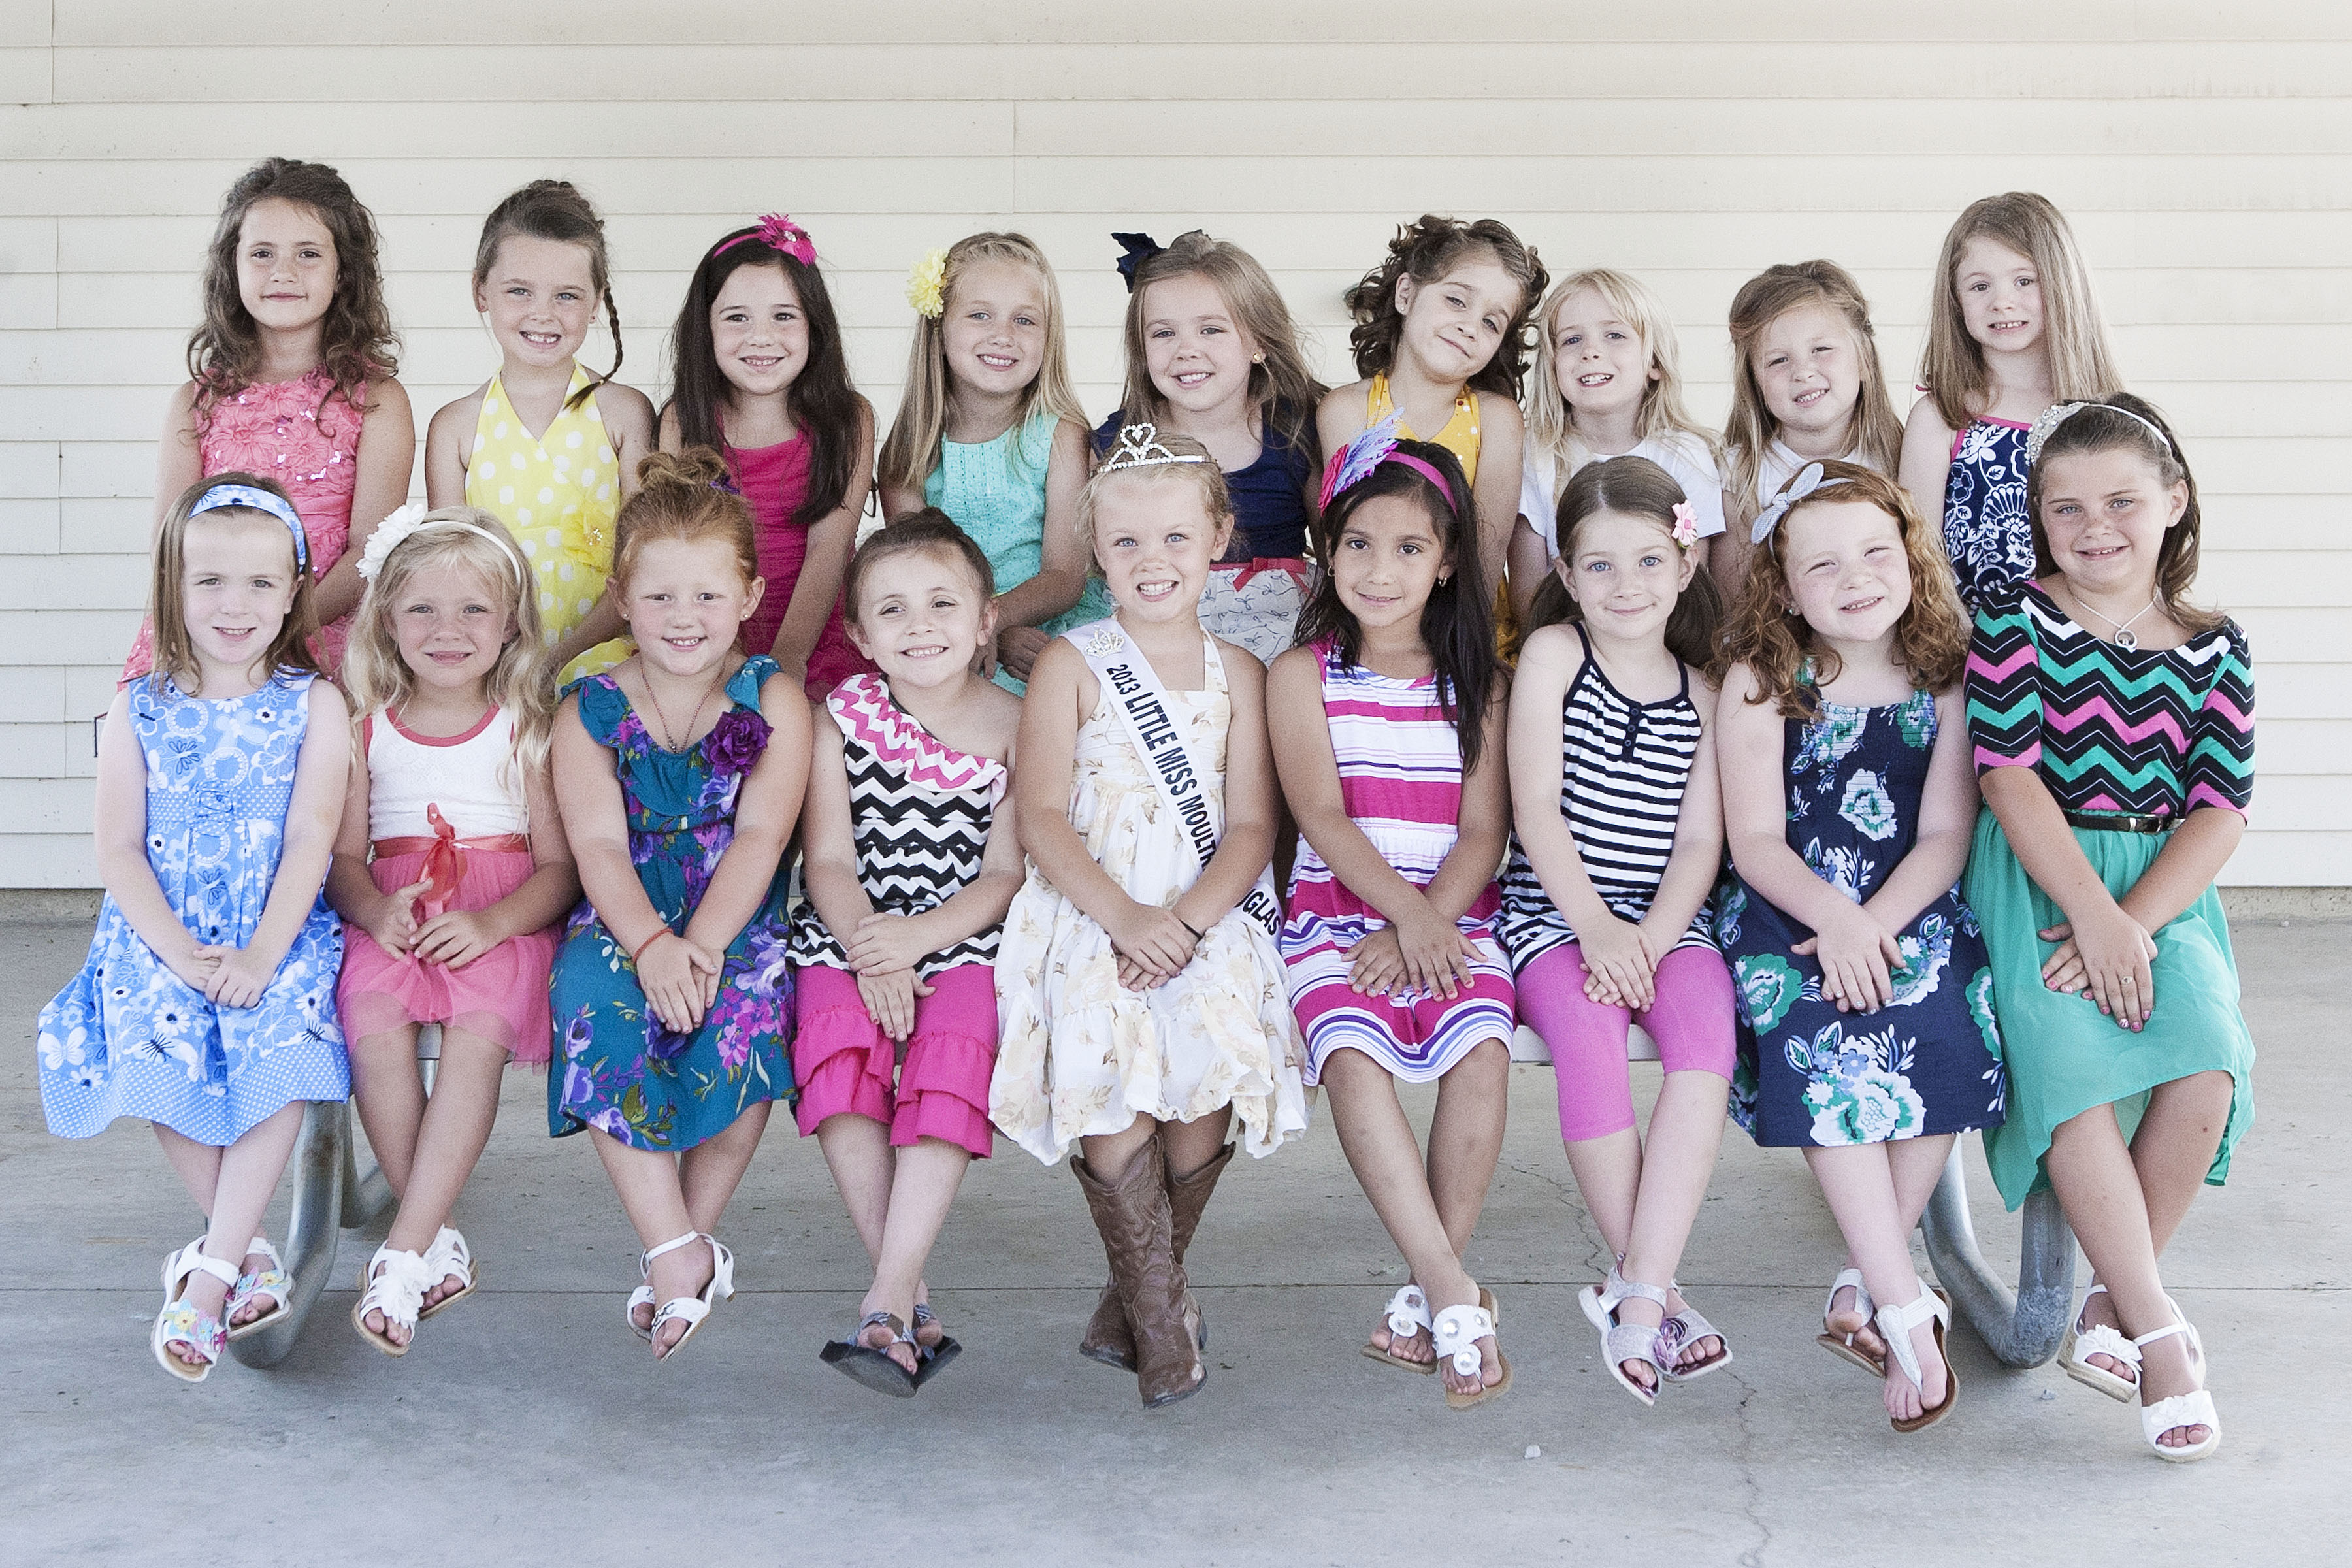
(1408, 1314)
(1689, 1326)
(1621, 1342)
(450, 1258)
(2194, 1408)
(393, 1283)
(1894, 1325)
(690, 1309)
(1842, 1346)
(273, 1282)
(1456, 1331)
(2082, 1343)
(179, 1323)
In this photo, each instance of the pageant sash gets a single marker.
(1135, 690)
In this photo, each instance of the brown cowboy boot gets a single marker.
(1133, 1220)
(1107, 1339)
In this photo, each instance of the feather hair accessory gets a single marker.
(1139, 447)
(1358, 459)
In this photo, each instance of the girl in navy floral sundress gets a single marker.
(1865, 1023)
(679, 774)
(207, 1003)
(2012, 327)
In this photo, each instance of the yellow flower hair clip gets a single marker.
(926, 285)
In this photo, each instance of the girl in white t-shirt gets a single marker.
(1606, 385)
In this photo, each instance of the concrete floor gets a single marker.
(527, 1425)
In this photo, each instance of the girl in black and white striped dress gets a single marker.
(1620, 831)
(910, 871)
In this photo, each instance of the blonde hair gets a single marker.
(379, 679)
(167, 610)
(1283, 388)
(1778, 645)
(911, 450)
(1551, 423)
(1204, 475)
(2073, 335)
(1872, 430)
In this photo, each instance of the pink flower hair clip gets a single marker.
(779, 233)
(1686, 529)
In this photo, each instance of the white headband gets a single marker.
(410, 520)
(2057, 413)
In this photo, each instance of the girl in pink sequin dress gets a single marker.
(291, 375)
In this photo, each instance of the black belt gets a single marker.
(2120, 822)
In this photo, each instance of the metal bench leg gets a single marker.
(2023, 1328)
(323, 1154)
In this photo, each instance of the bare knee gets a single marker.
(2093, 1127)
(2205, 1094)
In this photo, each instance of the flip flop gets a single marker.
(1408, 1314)
(874, 1368)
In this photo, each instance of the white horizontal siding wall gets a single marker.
(2204, 155)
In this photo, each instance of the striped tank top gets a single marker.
(1624, 767)
(920, 812)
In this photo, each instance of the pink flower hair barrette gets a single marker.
(780, 234)
(1686, 529)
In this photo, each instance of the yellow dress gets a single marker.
(1460, 435)
(558, 495)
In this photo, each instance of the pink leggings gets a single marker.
(1690, 1018)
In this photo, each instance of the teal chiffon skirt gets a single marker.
(2064, 1055)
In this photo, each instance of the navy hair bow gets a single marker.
(1139, 248)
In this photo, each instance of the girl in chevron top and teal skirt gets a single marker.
(2114, 731)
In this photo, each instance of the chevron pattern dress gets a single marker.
(2149, 731)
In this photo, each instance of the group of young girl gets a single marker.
(529, 762)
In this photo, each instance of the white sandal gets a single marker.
(179, 1323)
(1842, 1345)
(2194, 1408)
(393, 1282)
(2081, 1344)
(1689, 1326)
(1894, 1325)
(449, 1258)
(273, 1282)
(1457, 1330)
(1621, 1342)
(690, 1309)
(1408, 1314)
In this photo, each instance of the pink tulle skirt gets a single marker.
(842, 1061)
(500, 996)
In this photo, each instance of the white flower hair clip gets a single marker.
(414, 517)
(1686, 529)
(1139, 447)
(1808, 480)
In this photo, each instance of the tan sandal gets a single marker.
(1407, 1315)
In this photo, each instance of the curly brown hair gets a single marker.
(356, 343)
(1765, 632)
(1424, 251)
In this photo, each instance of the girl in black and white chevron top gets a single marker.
(894, 945)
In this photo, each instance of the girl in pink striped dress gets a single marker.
(1386, 724)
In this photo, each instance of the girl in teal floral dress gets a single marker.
(1865, 1021)
(679, 774)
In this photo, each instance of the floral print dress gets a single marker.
(619, 1069)
(1929, 1063)
(1986, 530)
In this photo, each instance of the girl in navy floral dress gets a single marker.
(680, 773)
(1865, 1020)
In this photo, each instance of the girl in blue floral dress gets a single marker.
(1865, 1022)
(207, 1005)
(680, 773)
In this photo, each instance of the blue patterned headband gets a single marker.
(279, 507)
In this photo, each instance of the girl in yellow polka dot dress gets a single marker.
(548, 446)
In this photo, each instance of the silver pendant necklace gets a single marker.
(2123, 637)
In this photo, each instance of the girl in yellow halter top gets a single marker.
(558, 495)
(1460, 435)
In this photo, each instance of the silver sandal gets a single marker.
(1621, 1342)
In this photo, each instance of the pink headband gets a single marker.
(778, 233)
(1356, 460)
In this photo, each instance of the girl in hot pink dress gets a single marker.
(291, 375)
(761, 375)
